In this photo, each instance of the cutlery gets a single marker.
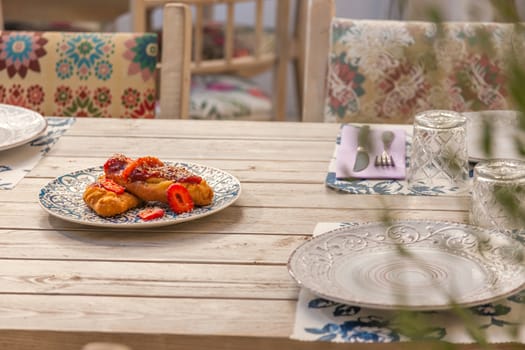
(386, 159)
(362, 159)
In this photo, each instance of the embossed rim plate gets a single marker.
(415, 265)
(62, 198)
(19, 126)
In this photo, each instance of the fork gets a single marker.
(386, 159)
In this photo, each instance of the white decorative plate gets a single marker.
(19, 126)
(504, 129)
(62, 198)
(417, 265)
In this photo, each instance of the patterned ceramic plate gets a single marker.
(19, 126)
(504, 128)
(62, 198)
(418, 265)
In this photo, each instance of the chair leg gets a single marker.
(299, 53)
(283, 56)
(1, 16)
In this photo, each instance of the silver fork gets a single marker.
(386, 159)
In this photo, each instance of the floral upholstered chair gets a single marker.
(387, 71)
(79, 74)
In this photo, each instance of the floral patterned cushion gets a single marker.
(387, 71)
(244, 41)
(228, 97)
(79, 74)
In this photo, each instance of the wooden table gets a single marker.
(220, 282)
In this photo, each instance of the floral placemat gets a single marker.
(369, 186)
(318, 319)
(16, 162)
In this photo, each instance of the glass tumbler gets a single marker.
(439, 156)
(498, 194)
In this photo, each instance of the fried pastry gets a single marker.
(107, 202)
(148, 178)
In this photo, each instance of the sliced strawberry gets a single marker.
(126, 173)
(111, 185)
(193, 179)
(179, 199)
(149, 161)
(151, 213)
(116, 164)
(143, 163)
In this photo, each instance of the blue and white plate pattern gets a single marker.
(62, 198)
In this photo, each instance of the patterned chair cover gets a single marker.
(219, 96)
(387, 71)
(225, 96)
(79, 74)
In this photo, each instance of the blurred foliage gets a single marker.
(415, 325)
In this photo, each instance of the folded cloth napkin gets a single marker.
(17, 162)
(347, 151)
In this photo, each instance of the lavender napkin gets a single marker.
(346, 154)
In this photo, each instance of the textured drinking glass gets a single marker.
(439, 156)
(498, 194)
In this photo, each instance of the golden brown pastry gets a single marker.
(106, 202)
(155, 189)
(149, 178)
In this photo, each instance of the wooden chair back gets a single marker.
(249, 64)
(174, 92)
(387, 71)
(318, 17)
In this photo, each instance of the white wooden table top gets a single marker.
(218, 282)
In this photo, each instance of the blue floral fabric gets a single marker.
(318, 319)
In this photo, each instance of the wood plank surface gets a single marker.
(204, 129)
(290, 195)
(276, 150)
(298, 221)
(140, 246)
(147, 279)
(55, 340)
(217, 282)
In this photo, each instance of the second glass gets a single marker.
(439, 156)
(498, 194)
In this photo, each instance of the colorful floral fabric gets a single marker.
(228, 97)
(79, 74)
(387, 71)
(243, 41)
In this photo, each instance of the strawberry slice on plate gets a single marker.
(151, 213)
(179, 199)
(111, 185)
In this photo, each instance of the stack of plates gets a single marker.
(19, 126)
